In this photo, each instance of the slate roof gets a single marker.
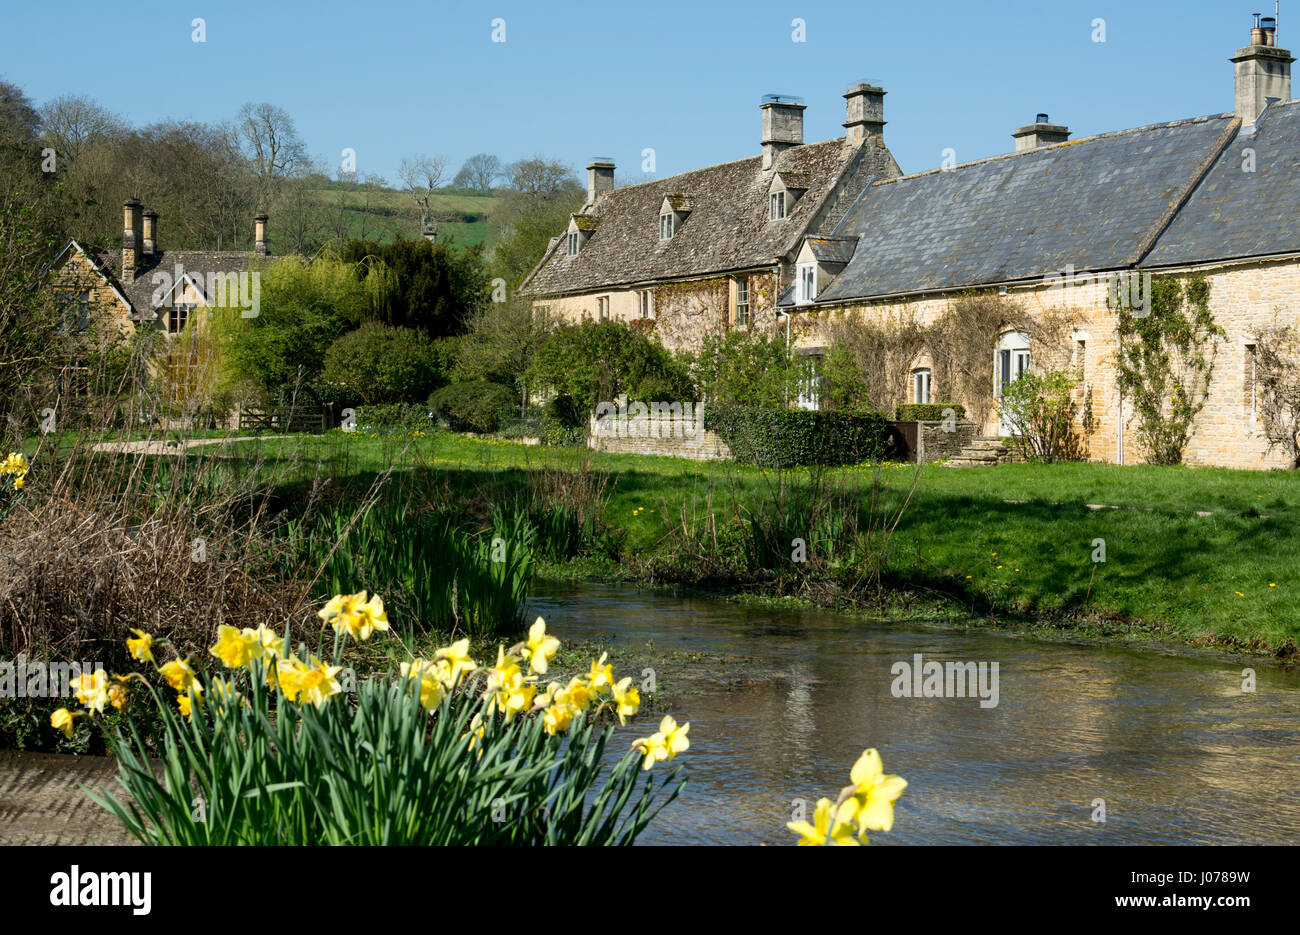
(727, 229)
(196, 263)
(1236, 214)
(1096, 202)
(832, 249)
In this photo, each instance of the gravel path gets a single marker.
(40, 802)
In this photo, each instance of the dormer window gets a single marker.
(777, 208)
(806, 284)
(580, 230)
(666, 227)
(785, 191)
(573, 243)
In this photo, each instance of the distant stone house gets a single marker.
(146, 287)
(700, 252)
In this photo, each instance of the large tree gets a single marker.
(272, 145)
(71, 123)
(432, 287)
(540, 195)
(420, 177)
(479, 172)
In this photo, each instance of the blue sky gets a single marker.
(575, 79)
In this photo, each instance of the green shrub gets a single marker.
(382, 364)
(779, 438)
(928, 412)
(393, 418)
(1041, 409)
(595, 362)
(476, 406)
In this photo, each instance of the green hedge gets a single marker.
(779, 438)
(475, 406)
(927, 412)
(394, 418)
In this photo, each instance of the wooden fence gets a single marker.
(287, 419)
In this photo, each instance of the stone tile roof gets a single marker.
(1096, 202)
(1234, 213)
(198, 263)
(727, 228)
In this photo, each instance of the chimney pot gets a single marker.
(864, 113)
(132, 246)
(782, 125)
(1041, 132)
(259, 234)
(600, 177)
(1261, 71)
(150, 233)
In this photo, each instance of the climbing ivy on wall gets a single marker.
(1166, 364)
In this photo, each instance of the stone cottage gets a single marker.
(1054, 228)
(712, 249)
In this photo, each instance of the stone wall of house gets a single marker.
(1245, 299)
(684, 312)
(76, 275)
(656, 434)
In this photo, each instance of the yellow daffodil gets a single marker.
(185, 704)
(15, 463)
(91, 689)
(627, 699)
(117, 695)
(180, 676)
(354, 615)
(457, 660)
(432, 687)
(874, 793)
(236, 649)
(289, 674)
(317, 683)
(509, 690)
(19, 482)
(577, 694)
(557, 718)
(601, 676)
(141, 647)
(828, 827)
(62, 720)
(540, 647)
(665, 743)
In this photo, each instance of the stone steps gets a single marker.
(982, 451)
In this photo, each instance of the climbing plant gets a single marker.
(1166, 363)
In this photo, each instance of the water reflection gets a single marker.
(1176, 750)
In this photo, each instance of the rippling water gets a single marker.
(1175, 748)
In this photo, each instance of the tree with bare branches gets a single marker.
(420, 176)
(270, 141)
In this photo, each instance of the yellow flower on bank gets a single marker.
(828, 827)
(272, 643)
(432, 684)
(141, 647)
(236, 649)
(510, 691)
(540, 648)
(289, 674)
(117, 695)
(456, 660)
(354, 615)
(601, 676)
(627, 699)
(15, 463)
(62, 720)
(665, 743)
(317, 683)
(91, 690)
(184, 702)
(874, 793)
(180, 676)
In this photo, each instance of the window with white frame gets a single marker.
(665, 226)
(573, 243)
(806, 288)
(602, 308)
(810, 382)
(921, 385)
(776, 207)
(645, 304)
(741, 316)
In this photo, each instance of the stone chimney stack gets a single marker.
(259, 234)
(1042, 132)
(600, 177)
(864, 114)
(1261, 71)
(132, 248)
(150, 233)
(782, 125)
(430, 233)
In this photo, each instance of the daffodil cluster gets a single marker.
(15, 466)
(866, 804)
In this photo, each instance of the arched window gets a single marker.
(921, 385)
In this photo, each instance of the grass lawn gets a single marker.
(1202, 554)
